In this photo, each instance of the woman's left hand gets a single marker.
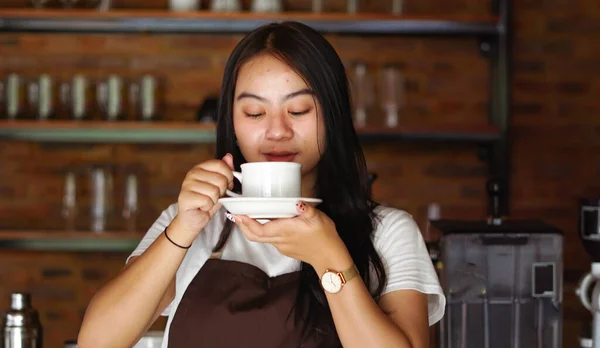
(310, 237)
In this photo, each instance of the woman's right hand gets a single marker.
(125, 299)
(203, 185)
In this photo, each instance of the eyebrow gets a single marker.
(287, 97)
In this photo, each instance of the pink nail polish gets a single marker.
(301, 206)
(230, 217)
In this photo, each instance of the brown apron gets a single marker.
(234, 304)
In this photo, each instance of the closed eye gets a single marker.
(254, 115)
(299, 113)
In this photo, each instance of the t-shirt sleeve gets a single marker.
(406, 259)
(163, 220)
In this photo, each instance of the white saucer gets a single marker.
(265, 207)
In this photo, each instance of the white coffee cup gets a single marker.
(269, 179)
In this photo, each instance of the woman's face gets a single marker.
(275, 115)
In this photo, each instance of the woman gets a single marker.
(229, 281)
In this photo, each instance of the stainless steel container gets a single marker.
(21, 325)
(70, 344)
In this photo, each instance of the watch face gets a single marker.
(331, 282)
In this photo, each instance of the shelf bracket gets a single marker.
(488, 47)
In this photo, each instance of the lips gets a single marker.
(280, 156)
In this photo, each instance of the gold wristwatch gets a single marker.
(333, 281)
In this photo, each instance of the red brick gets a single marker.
(470, 192)
(532, 86)
(580, 66)
(573, 25)
(527, 108)
(451, 169)
(60, 272)
(544, 45)
(576, 88)
(553, 171)
(545, 5)
(449, 47)
(94, 274)
(529, 66)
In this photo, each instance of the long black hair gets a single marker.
(342, 179)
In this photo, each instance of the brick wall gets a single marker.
(555, 130)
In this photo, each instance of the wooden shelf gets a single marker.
(162, 21)
(190, 133)
(108, 132)
(76, 241)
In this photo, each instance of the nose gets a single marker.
(279, 127)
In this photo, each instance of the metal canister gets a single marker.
(586, 342)
(21, 325)
(70, 344)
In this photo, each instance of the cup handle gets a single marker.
(238, 176)
(582, 290)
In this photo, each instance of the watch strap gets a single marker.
(350, 273)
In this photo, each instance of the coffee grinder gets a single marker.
(589, 234)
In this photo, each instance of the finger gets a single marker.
(305, 210)
(203, 188)
(251, 236)
(228, 159)
(192, 200)
(256, 227)
(214, 209)
(218, 166)
(253, 230)
(217, 179)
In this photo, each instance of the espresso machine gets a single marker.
(589, 234)
(503, 281)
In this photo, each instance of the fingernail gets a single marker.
(301, 206)
(230, 217)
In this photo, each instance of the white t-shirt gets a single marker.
(397, 239)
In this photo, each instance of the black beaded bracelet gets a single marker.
(172, 242)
